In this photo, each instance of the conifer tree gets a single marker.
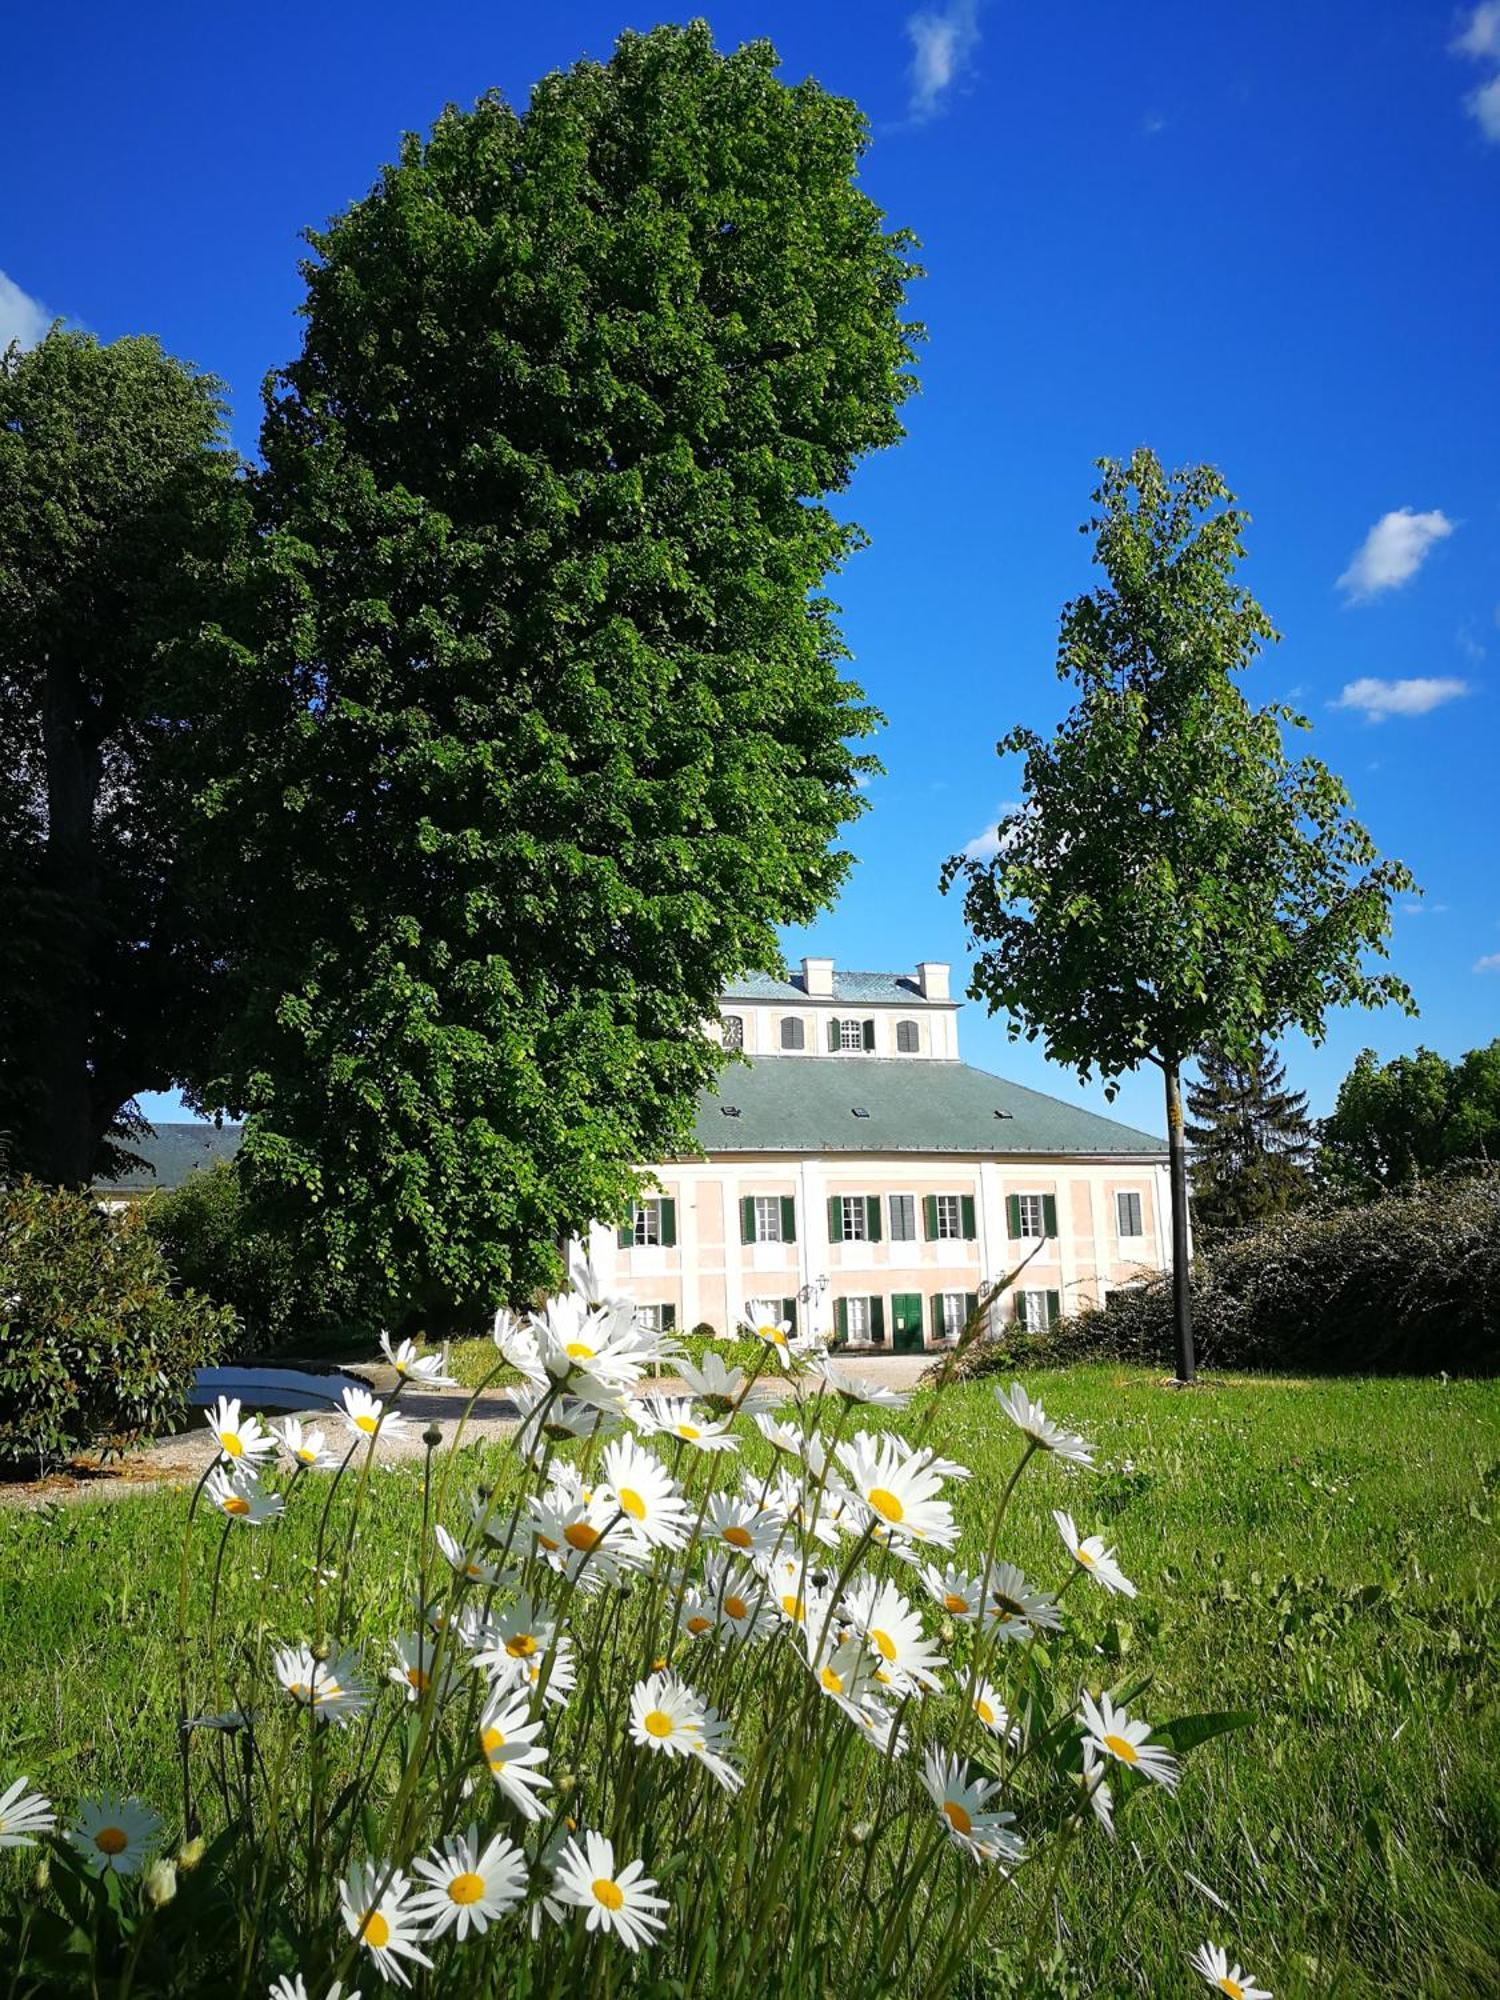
(1250, 1137)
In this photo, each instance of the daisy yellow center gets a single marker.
(369, 1425)
(688, 1431)
(632, 1503)
(579, 1350)
(772, 1333)
(492, 1740)
(548, 1543)
(957, 1817)
(832, 1681)
(1084, 1557)
(1123, 1748)
(736, 1606)
(521, 1645)
(417, 1677)
(1007, 1607)
(473, 1571)
(610, 1894)
(659, 1724)
(954, 1603)
(738, 1537)
(1230, 1986)
(375, 1931)
(306, 1454)
(886, 1505)
(884, 1644)
(465, 1889)
(698, 1624)
(236, 1504)
(111, 1840)
(231, 1443)
(794, 1607)
(580, 1535)
(985, 1713)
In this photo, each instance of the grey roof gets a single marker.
(846, 986)
(807, 1104)
(172, 1152)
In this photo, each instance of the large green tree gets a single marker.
(1172, 877)
(545, 727)
(1251, 1140)
(1397, 1123)
(121, 515)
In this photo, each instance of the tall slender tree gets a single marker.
(1172, 877)
(546, 726)
(122, 516)
(1251, 1140)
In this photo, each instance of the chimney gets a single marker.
(932, 977)
(817, 978)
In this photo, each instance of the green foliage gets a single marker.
(1409, 1283)
(1396, 1122)
(543, 727)
(1250, 1142)
(214, 1245)
(94, 1347)
(121, 514)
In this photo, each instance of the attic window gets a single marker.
(729, 1111)
(860, 1111)
(1005, 1114)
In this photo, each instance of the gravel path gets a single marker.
(182, 1460)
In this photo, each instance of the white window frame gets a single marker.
(857, 1310)
(948, 1209)
(768, 1218)
(855, 1029)
(1123, 1198)
(1033, 1311)
(898, 1235)
(1027, 1207)
(953, 1314)
(853, 1205)
(645, 1227)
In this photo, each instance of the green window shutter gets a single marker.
(937, 1315)
(788, 1219)
(971, 1306)
(1018, 1308)
(877, 1319)
(872, 1217)
(966, 1210)
(1054, 1308)
(1049, 1214)
(747, 1218)
(627, 1234)
(1013, 1216)
(668, 1318)
(841, 1318)
(789, 1313)
(835, 1218)
(668, 1224)
(833, 1034)
(929, 1217)
(868, 1033)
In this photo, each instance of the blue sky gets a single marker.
(1264, 236)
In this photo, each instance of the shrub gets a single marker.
(94, 1346)
(1408, 1284)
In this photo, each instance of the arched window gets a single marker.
(908, 1038)
(793, 1034)
(734, 1031)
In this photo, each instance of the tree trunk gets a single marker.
(1182, 1301)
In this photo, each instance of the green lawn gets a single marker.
(1323, 1554)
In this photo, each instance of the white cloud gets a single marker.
(1489, 963)
(1153, 125)
(22, 317)
(1376, 699)
(943, 45)
(986, 844)
(1393, 551)
(1483, 105)
(1481, 34)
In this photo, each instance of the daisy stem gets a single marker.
(983, 1652)
(188, 1828)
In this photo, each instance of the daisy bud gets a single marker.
(160, 1885)
(565, 1784)
(191, 1853)
(43, 1875)
(947, 1631)
(432, 1437)
(860, 1832)
(659, 1666)
(323, 1650)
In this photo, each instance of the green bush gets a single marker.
(1408, 1284)
(213, 1245)
(94, 1346)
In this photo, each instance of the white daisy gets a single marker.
(1095, 1788)
(239, 1496)
(844, 1672)
(509, 1638)
(666, 1715)
(1114, 1734)
(901, 1494)
(382, 1919)
(905, 1657)
(568, 1533)
(646, 1494)
(332, 1688)
(291, 1986)
(1093, 1556)
(993, 1714)
(857, 1388)
(1032, 1420)
(737, 1601)
(764, 1322)
(1015, 1608)
(675, 1417)
(560, 1671)
(412, 1366)
(367, 1417)
(23, 1815)
(727, 1391)
(114, 1834)
(416, 1656)
(798, 1591)
(618, 1900)
(464, 1562)
(744, 1527)
(470, 1886)
(242, 1440)
(964, 1805)
(508, 1738)
(556, 1419)
(1211, 1962)
(802, 1507)
(955, 1590)
(305, 1447)
(713, 1748)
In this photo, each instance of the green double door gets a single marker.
(906, 1320)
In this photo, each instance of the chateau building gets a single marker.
(859, 1172)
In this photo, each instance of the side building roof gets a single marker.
(813, 1104)
(847, 986)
